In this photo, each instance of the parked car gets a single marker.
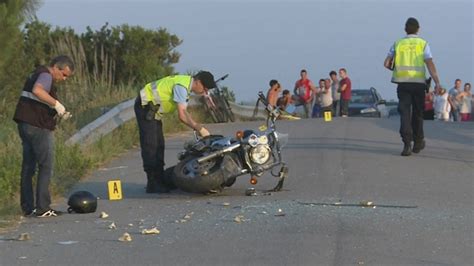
(367, 103)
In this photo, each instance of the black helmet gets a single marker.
(82, 202)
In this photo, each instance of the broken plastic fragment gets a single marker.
(70, 242)
(280, 213)
(112, 226)
(125, 238)
(226, 204)
(239, 218)
(24, 237)
(188, 216)
(152, 231)
(103, 215)
(366, 203)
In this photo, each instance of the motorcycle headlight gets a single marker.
(260, 154)
(263, 140)
(253, 140)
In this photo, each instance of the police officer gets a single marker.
(407, 59)
(155, 99)
(36, 114)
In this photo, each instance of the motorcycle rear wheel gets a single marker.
(193, 177)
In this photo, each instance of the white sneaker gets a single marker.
(49, 213)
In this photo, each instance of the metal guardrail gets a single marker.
(123, 112)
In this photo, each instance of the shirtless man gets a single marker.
(273, 92)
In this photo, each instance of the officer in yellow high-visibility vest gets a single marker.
(155, 99)
(407, 59)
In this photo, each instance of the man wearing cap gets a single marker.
(407, 59)
(155, 99)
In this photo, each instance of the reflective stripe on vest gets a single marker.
(31, 96)
(161, 92)
(409, 61)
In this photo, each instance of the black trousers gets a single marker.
(152, 141)
(411, 103)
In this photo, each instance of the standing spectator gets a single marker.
(326, 97)
(35, 114)
(441, 105)
(465, 99)
(317, 99)
(407, 59)
(428, 112)
(345, 88)
(455, 103)
(273, 92)
(303, 90)
(336, 95)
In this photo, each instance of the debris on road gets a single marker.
(225, 204)
(103, 215)
(185, 218)
(125, 237)
(152, 231)
(366, 203)
(70, 242)
(280, 213)
(188, 216)
(239, 218)
(24, 237)
(112, 226)
(360, 204)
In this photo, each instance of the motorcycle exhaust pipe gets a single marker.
(218, 153)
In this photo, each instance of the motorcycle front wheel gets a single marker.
(194, 177)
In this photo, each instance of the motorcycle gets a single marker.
(209, 164)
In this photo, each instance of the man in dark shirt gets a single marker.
(36, 114)
(345, 88)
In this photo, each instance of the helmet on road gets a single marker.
(82, 202)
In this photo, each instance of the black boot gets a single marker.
(151, 185)
(406, 149)
(160, 185)
(418, 146)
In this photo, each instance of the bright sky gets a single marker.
(256, 41)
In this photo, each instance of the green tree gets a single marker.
(12, 14)
(140, 55)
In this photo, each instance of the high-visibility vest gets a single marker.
(160, 92)
(409, 59)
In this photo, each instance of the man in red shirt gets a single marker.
(303, 92)
(345, 89)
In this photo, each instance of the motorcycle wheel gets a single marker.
(168, 178)
(191, 176)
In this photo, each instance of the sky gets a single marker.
(258, 40)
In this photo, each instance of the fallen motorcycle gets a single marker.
(209, 164)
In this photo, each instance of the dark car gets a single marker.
(367, 103)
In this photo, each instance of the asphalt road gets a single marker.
(346, 161)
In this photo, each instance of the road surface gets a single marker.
(428, 220)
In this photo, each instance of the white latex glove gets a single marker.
(66, 116)
(60, 109)
(203, 132)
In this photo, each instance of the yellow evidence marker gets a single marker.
(115, 189)
(327, 116)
